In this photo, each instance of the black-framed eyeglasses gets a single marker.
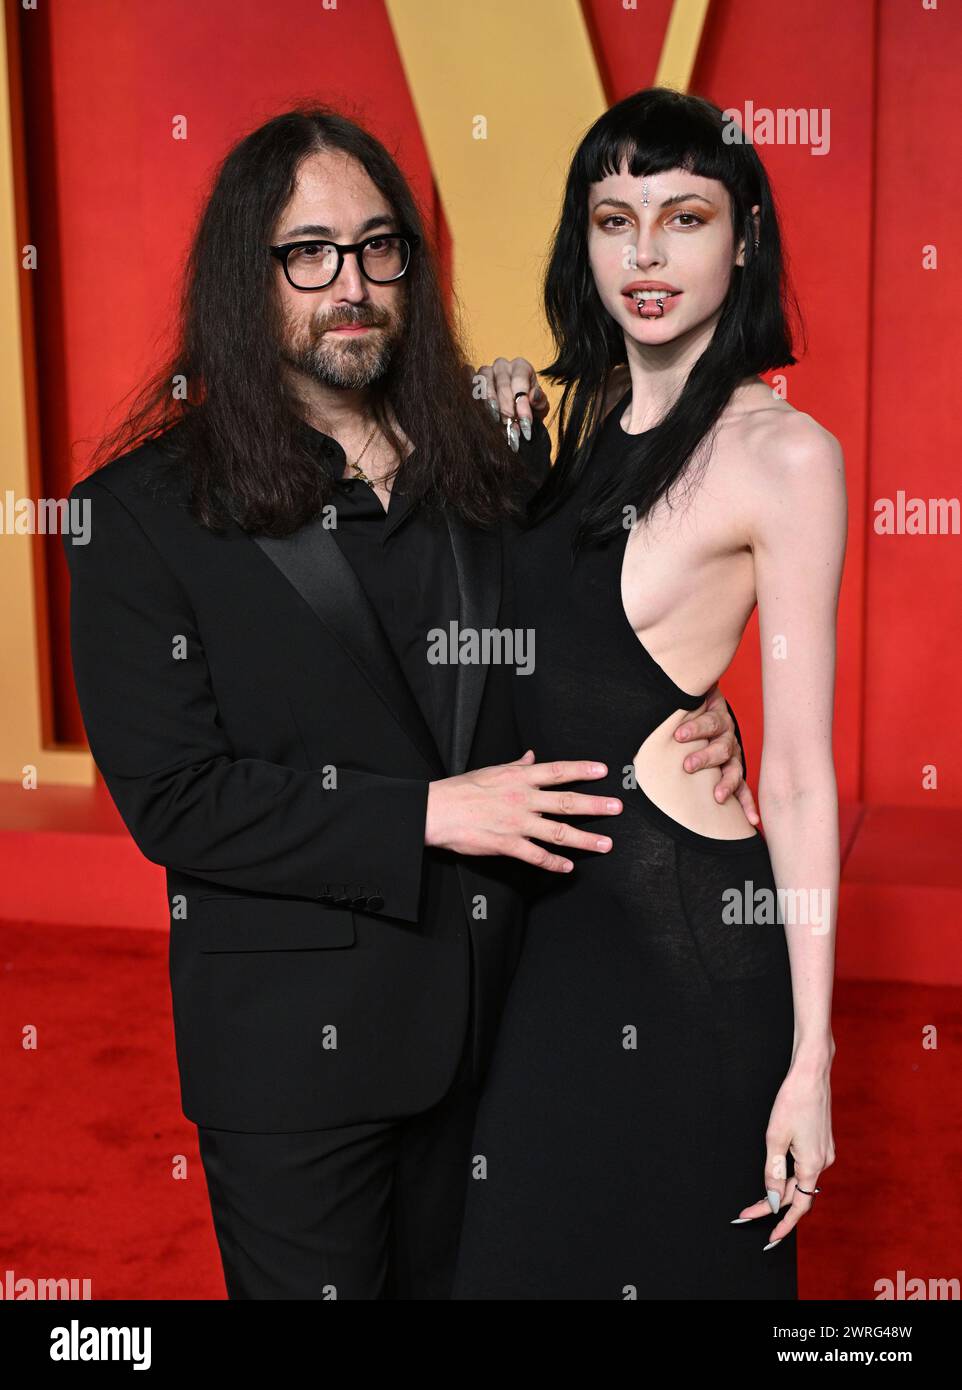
(313, 265)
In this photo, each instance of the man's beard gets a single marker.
(343, 361)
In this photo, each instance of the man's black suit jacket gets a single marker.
(258, 737)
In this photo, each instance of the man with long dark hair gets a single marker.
(303, 506)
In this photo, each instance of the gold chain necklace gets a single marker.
(359, 471)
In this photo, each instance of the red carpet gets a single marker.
(94, 1131)
(94, 1128)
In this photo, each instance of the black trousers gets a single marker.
(366, 1211)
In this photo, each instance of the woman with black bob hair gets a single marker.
(657, 1115)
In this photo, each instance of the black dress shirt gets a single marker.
(404, 561)
(405, 564)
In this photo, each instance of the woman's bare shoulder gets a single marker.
(779, 467)
(771, 438)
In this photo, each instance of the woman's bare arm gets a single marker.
(798, 525)
(798, 539)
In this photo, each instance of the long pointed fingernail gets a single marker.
(514, 439)
(493, 407)
(526, 428)
(774, 1199)
(739, 1219)
(771, 1244)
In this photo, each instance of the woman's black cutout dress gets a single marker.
(622, 1122)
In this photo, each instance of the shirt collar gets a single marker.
(329, 452)
(324, 447)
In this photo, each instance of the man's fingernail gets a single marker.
(682, 733)
(603, 843)
(526, 428)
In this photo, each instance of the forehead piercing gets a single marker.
(644, 193)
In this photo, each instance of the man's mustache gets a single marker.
(369, 318)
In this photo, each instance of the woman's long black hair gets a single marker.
(236, 431)
(650, 132)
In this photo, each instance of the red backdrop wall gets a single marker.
(113, 199)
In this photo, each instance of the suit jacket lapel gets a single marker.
(313, 563)
(477, 555)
